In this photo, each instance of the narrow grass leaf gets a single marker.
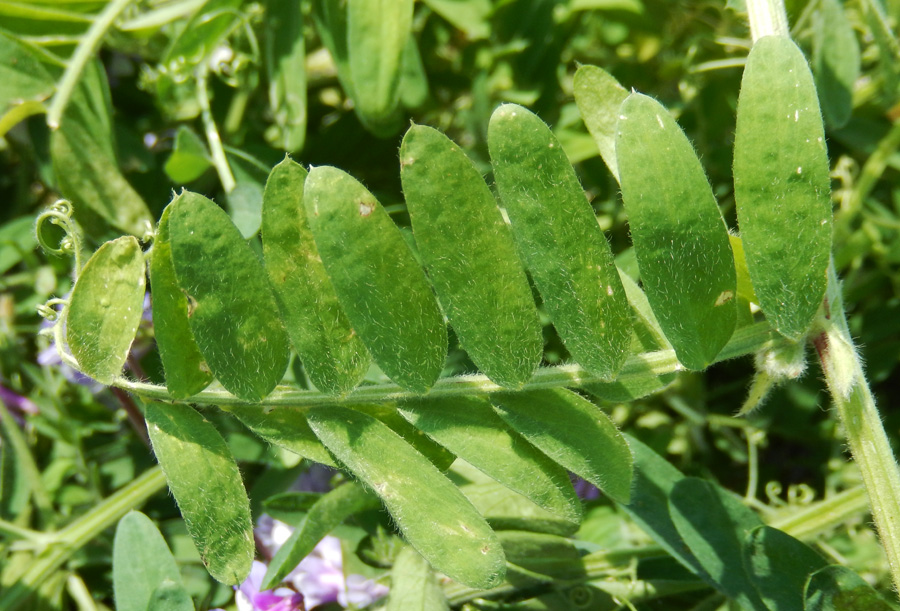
(286, 428)
(105, 308)
(779, 566)
(333, 355)
(713, 525)
(598, 96)
(469, 428)
(324, 516)
(377, 32)
(838, 588)
(559, 240)
(835, 62)
(679, 236)
(430, 511)
(575, 433)
(781, 185)
(206, 484)
(471, 257)
(286, 68)
(381, 287)
(233, 313)
(414, 585)
(141, 562)
(186, 371)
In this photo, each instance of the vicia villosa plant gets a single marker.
(323, 326)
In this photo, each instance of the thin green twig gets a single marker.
(82, 55)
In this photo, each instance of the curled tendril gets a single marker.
(60, 214)
(773, 494)
(800, 494)
(47, 310)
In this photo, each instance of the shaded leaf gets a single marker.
(598, 96)
(189, 158)
(286, 69)
(206, 484)
(454, 538)
(414, 585)
(575, 433)
(286, 428)
(836, 61)
(469, 428)
(779, 566)
(838, 588)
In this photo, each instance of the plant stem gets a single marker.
(80, 58)
(767, 18)
(73, 537)
(746, 340)
(220, 161)
(862, 425)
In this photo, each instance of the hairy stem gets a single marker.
(862, 425)
(746, 340)
(767, 18)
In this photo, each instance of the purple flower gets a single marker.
(249, 597)
(16, 403)
(320, 576)
(585, 490)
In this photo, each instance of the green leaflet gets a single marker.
(575, 433)
(439, 456)
(471, 257)
(377, 32)
(598, 96)
(22, 74)
(469, 428)
(836, 61)
(142, 563)
(559, 240)
(454, 538)
(648, 337)
(170, 596)
(326, 514)
(779, 566)
(232, 312)
(413, 79)
(414, 585)
(333, 355)
(206, 484)
(503, 508)
(713, 524)
(545, 554)
(470, 16)
(189, 158)
(202, 34)
(105, 308)
(654, 481)
(186, 371)
(88, 173)
(680, 239)
(286, 69)
(286, 428)
(382, 288)
(838, 588)
(781, 185)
